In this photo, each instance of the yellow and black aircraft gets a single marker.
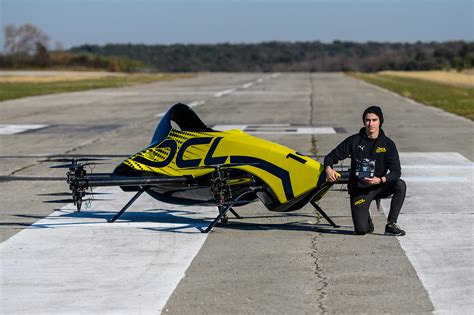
(189, 163)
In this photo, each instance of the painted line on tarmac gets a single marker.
(259, 80)
(78, 263)
(196, 103)
(277, 129)
(436, 179)
(271, 93)
(15, 129)
(434, 167)
(438, 219)
(222, 93)
(192, 104)
(217, 94)
(145, 93)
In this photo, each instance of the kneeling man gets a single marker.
(375, 172)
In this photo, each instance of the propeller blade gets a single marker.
(67, 194)
(74, 165)
(72, 201)
(30, 178)
(64, 166)
(59, 201)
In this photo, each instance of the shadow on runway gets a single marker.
(181, 221)
(300, 226)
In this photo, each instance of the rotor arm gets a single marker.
(117, 180)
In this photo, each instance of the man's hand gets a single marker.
(331, 175)
(373, 181)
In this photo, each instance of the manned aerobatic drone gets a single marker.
(188, 163)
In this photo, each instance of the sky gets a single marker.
(77, 22)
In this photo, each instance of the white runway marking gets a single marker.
(214, 94)
(78, 263)
(196, 103)
(192, 104)
(14, 129)
(436, 179)
(434, 167)
(276, 129)
(156, 93)
(438, 219)
(271, 93)
(222, 93)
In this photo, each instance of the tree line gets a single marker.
(294, 56)
(27, 46)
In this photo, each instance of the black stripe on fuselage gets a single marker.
(268, 167)
(296, 158)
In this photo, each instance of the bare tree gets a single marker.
(58, 46)
(24, 39)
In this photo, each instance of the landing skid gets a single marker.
(321, 211)
(134, 198)
(223, 209)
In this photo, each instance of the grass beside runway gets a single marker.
(12, 89)
(457, 99)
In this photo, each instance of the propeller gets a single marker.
(73, 160)
(74, 165)
(69, 194)
(73, 201)
(30, 178)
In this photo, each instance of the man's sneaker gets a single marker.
(371, 225)
(393, 229)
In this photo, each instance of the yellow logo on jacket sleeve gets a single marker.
(358, 202)
(381, 150)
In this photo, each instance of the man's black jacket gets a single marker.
(360, 146)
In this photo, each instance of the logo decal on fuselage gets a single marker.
(210, 159)
(171, 144)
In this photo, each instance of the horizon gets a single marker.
(208, 22)
(275, 41)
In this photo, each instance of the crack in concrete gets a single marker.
(322, 280)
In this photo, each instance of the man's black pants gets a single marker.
(361, 199)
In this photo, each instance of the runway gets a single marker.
(265, 263)
(439, 222)
(73, 262)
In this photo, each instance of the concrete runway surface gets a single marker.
(155, 260)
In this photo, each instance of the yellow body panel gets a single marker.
(187, 153)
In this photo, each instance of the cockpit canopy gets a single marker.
(180, 117)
